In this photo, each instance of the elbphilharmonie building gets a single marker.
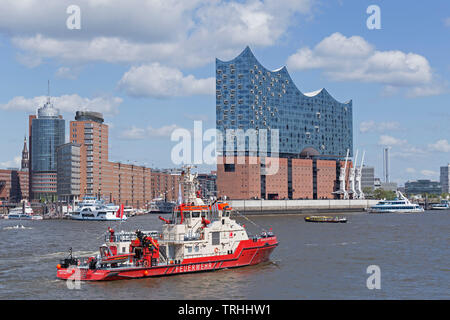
(249, 96)
(309, 126)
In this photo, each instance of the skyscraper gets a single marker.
(47, 133)
(445, 178)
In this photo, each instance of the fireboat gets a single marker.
(199, 237)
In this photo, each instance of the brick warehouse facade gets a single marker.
(13, 185)
(113, 181)
(295, 179)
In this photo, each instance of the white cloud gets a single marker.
(429, 173)
(15, 163)
(410, 170)
(65, 103)
(180, 33)
(354, 59)
(135, 133)
(67, 73)
(390, 141)
(159, 81)
(441, 146)
(372, 126)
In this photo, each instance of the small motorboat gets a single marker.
(326, 219)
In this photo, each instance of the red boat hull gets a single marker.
(249, 252)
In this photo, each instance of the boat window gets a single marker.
(195, 214)
(186, 215)
(215, 238)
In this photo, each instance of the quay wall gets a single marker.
(299, 206)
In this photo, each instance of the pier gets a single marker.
(256, 207)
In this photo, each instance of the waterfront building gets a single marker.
(115, 182)
(308, 134)
(388, 186)
(165, 184)
(13, 185)
(422, 187)
(368, 178)
(68, 172)
(47, 132)
(445, 178)
(207, 184)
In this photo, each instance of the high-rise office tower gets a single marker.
(445, 178)
(117, 182)
(47, 130)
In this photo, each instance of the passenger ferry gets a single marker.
(198, 237)
(93, 209)
(19, 214)
(99, 213)
(444, 205)
(400, 205)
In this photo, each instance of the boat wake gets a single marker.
(17, 227)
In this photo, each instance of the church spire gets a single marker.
(25, 158)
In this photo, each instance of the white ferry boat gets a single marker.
(19, 214)
(95, 210)
(444, 205)
(100, 213)
(399, 205)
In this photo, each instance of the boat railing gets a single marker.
(128, 236)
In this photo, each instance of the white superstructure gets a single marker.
(399, 205)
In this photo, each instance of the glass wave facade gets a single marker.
(47, 132)
(249, 96)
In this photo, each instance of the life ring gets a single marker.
(145, 263)
(216, 250)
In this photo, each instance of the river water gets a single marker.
(312, 261)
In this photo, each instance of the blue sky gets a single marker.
(149, 68)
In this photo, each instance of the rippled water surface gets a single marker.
(312, 261)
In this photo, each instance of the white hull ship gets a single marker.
(399, 205)
(444, 205)
(197, 238)
(91, 209)
(22, 213)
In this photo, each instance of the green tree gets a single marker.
(384, 194)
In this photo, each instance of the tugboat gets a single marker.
(198, 237)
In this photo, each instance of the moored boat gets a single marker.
(326, 219)
(25, 212)
(443, 205)
(198, 237)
